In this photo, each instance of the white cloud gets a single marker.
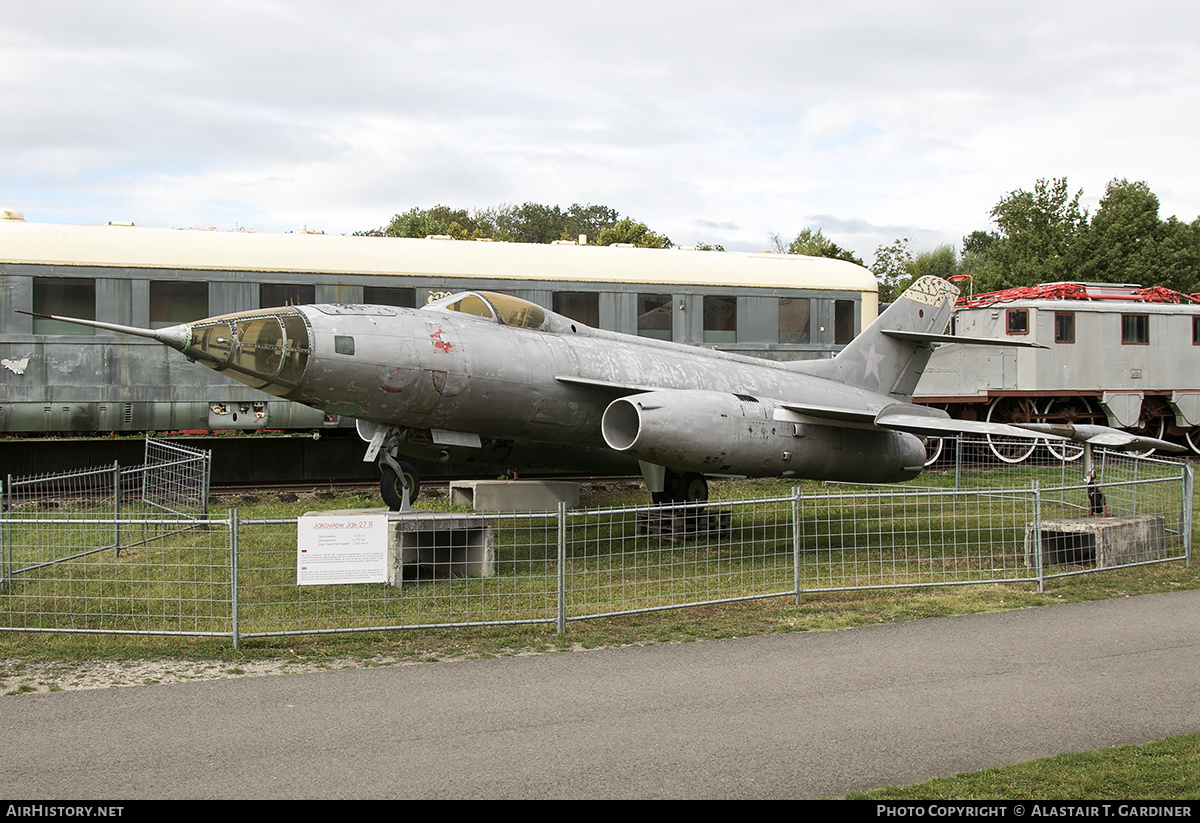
(712, 121)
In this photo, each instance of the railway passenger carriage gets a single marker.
(57, 377)
(1116, 355)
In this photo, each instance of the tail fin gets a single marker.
(889, 356)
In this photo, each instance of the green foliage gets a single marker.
(1044, 236)
(893, 269)
(637, 234)
(815, 244)
(527, 223)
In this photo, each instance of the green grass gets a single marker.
(179, 582)
(1167, 769)
(1164, 769)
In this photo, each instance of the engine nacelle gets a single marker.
(719, 433)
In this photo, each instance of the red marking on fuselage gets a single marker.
(444, 346)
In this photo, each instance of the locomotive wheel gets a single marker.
(391, 489)
(1193, 439)
(1067, 410)
(1011, 410)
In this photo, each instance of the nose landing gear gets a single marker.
(399, 484)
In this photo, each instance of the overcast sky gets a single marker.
(718, 122)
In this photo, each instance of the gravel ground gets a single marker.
(21, 677)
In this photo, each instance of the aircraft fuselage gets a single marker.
(686, 408)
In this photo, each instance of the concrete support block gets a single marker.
(514, 495)
(1104, 541)
(437, 545)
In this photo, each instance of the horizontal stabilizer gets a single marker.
(923, 337)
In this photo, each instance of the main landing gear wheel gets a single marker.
(1011, 410)
(392, 490)
(690, 487)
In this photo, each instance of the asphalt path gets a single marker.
(785, 716)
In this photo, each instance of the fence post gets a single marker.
(1185, 528)
(233, 573)
(205, 479)
(562, 567)
(117, 507)
(5, 543)
(796, 544)
(1037, 537)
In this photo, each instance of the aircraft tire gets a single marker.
(690, 487)
(391, 489)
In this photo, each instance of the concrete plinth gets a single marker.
(514, 495)
(1105, 541)
(684, 524)
(436, 545)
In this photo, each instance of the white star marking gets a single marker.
(873, 358)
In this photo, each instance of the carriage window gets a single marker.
(67, 296)
(1064, 327)
(173, 302)
(655, 317)
(843, 321)
(389, 296)
(1017, 321)
(581, 306)
(273, 295)
(720, 319)
(794, 314)
(1135, 329)
(1196, 331)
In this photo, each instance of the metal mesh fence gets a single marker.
(520, 584)
(175, 477)
(91, 571)
(629, 560)
(175, 580)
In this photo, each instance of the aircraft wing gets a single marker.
(928, 422)
(1102, 436)
(922, 421)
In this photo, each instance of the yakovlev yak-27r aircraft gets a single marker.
(488, 378)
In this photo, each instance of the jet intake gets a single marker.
(719, 433)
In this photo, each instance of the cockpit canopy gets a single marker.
(499, 308)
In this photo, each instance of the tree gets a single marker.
(1039, 233)
(527, 223)
(1128, 243)
(637, 234)
(893, 269)
(814, 244)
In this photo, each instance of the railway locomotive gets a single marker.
(1109, 354)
